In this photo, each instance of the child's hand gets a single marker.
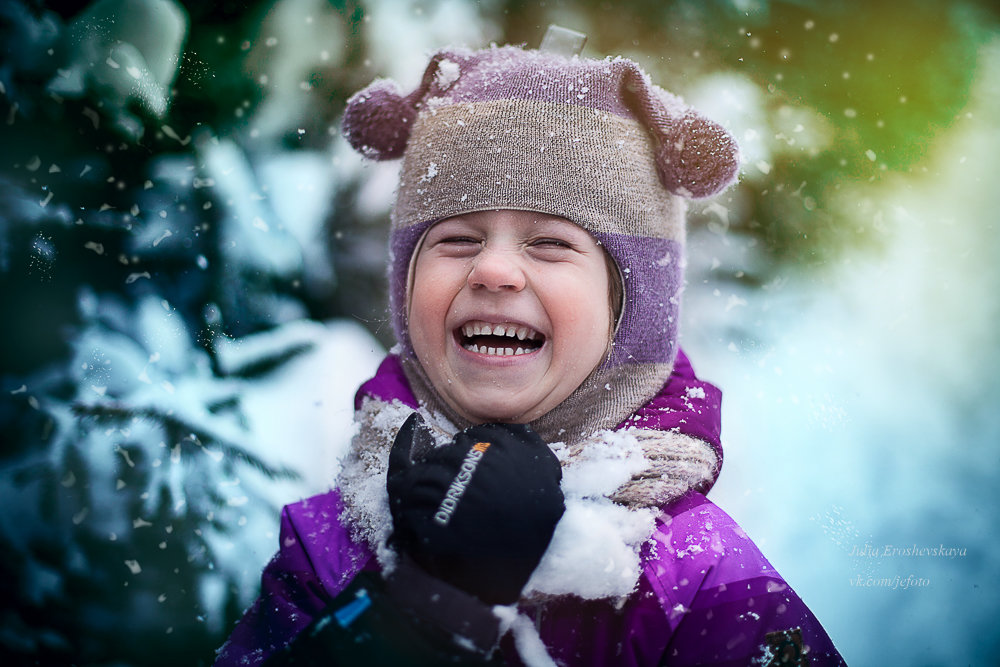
(478, 512)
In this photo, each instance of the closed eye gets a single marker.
(551, 243)
(457, 246)
(458, 240)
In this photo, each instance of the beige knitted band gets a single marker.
(594, 168)
(604, 400)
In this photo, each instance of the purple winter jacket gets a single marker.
(706, 596)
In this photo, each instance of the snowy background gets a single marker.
(191, 289)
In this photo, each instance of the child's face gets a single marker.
(539, 281)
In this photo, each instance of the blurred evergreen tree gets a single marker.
(137, 240)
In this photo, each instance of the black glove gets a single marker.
(479, 512)
(375, 622)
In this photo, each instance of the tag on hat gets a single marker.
(563, 41)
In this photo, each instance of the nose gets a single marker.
(497, 271)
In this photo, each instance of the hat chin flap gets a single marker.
(695, 157)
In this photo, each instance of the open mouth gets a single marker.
(502, 340)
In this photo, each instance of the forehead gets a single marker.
(514, 222)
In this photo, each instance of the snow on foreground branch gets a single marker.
(149, 503)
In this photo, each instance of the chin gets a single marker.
(502, 404)
(501, 418)
(501, 414)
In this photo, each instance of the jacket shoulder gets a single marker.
(698, 537)
(722, 599)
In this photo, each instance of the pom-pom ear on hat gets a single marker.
(378, 119)
(695, 157)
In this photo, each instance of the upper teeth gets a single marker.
(508, 330)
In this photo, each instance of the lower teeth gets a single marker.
(496, 352)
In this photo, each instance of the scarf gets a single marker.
(615, 481)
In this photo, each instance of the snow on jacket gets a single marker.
(705, 594)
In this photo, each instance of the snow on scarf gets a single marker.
(614, 482)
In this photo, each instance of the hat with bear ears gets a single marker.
(592, 141)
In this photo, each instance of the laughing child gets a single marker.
(527, 481)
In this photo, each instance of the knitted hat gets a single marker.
(592, 141)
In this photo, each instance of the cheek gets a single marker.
(430, 298)
(585, 315)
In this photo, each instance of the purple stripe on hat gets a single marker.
(511, 73)
(653, 278)
(401, 246)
